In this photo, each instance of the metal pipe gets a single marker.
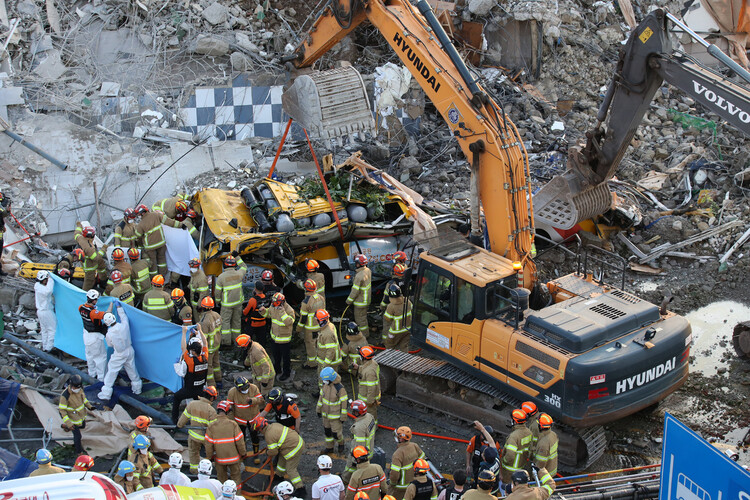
(138, 405)
(35, 149)
(626, 492)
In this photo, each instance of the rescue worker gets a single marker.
(121, 290)
(246, 402)
(545, 453)
(45, 309)
(532, 422)
(522, 491)
(142, 424)
(481, 440)
(328, 486)
(368, 478)
(4, 212)
(328, 350)
(94, 266)
(269, 286)
(172, 206)
(331, 407)
(183, 313)
(118, 338)
(199, 414)
(174, 475)
(516, 448)
(313, 273)
(397, 320)
(421, 488)
(125, 236)
(281, 315)
(157, 302)
(64, 275)
(193, 367)
(73, 407)
(83, 463)
(368, 380)
(312, 302)
(69, 260)
(363, 433)
(145, 463)
(359, 297)
(154, 245)
(210, 325)
(198, 285)
(402, 462)
(288, 445)
(486, 480)
(229, 297)
(284, 407)
(204, 479)
(350, 349)
(253, 323)
(284, 491)
(118, 256)
(458, 487)
(491, 462)
(93, 335)
(126, 478)
(44, 463)
(141, 277)
(229, 491)
(259, 363)
(397, 278)
(225, 442)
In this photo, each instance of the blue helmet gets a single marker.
(328, 374)
(43, 456)
(140, 442)
(125, 468)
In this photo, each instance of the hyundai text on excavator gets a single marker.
(588, 353)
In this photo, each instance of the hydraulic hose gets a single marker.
(434, 436)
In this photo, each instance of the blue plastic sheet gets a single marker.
(156, 342)
(8, 399)
(14, 467)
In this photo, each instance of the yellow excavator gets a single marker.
(588, 352)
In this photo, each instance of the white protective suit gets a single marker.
(96, 353)
(175, 477)
(206, 482)
(45, 312)
(118, 338)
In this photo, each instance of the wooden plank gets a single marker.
(439, 6)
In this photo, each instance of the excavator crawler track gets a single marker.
(741, 340)
(420, 380)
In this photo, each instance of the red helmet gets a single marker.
(312, 265)
(518, 416)
(134, 254)
(529, 408)
(141, 209)
(399, 270)
(118, 254)
(79, 254)
(399, 256)
(129, 214)
(230, 262)
(208, 303)
(266, 275)
(310, 285)
(194, 263)
(84, 462)
(545, 421)
(180, 206)
(191, 214)
(89, 232)
(366, 351)
(277, 299)
(360, 260)
(177, 294)
(116, 276)
(211, 392)
(225, 406)
(357, 408)
(322, 316)
(258, 423)
(64, 272)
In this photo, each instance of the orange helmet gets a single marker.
(421, 466)
(312, 265)
(399, 270)
(194, 263)
(361, 495)
(518, 416)
(157, 280)
(360, 260)
(141, 209)
(366, 351)
(277, 299)
(529, 408)
(134, 254)
(360, 453)
(89, 232)
(545, 421)
(243, 340)
(116, 276)
(399, 256)
(211, 392)
(310, 286)
(403, 433)
(258, 423)
(322, 316)
(177, 294)
(84, 462)
(388, 497)
(118, 254)
(79, 254)
(142, 422)
(230, 262)
(180, 206)
(208, 303)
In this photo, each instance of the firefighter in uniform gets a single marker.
(193, 367)
(313, 273)
(94, 267)
(328, 349)
(368, 478)
(363, 434)
(44, 461)
(486, 480)
(73, 407)
(532, 422)
(397, 320)
(145, 462)
(253, 324)
(140, 277)
(142, 424)
(259, 363)
(404, 276)
(516, 448)
(402, 462)
(173, 206)
(350, 349)
(288, 445)
(285, 409)
(545, 453)
(368, 378)
(225, 442)
(68, 261)
(229, 296)
(157, 302)
(359, 297)
(421, 488)
(522, 491)
(198, 285)
(121, 289)
(125, 236)
(281, 315)
(210, 325)
(118, 256)
(183, 313)
(199, 414)
(331, 407)
(152, 234)
(126, 478)
(397, 278)
(93, 335)
(310, 304)
(246, 402)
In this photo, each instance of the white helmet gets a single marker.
(284, 488)
(229, 489)
(175, 460)
(325, 462)
(109, 319)
(92, 295)
(42, 275)
(205, 467)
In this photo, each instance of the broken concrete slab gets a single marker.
(215, 13)
(211, 46)
(52, 67)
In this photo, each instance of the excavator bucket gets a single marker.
(329, 103)
(563, 204)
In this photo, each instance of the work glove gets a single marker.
(320, 414)
(508, 488)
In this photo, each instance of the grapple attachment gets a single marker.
(562, 202)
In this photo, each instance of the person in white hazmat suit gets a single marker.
(45, 310)
(118, 338)
(174, 475)
(204, 478)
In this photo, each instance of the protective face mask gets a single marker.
(75, 389)
(245, 391)
(326, 382)
(129, 477)
(193, 270)
(144, 451)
